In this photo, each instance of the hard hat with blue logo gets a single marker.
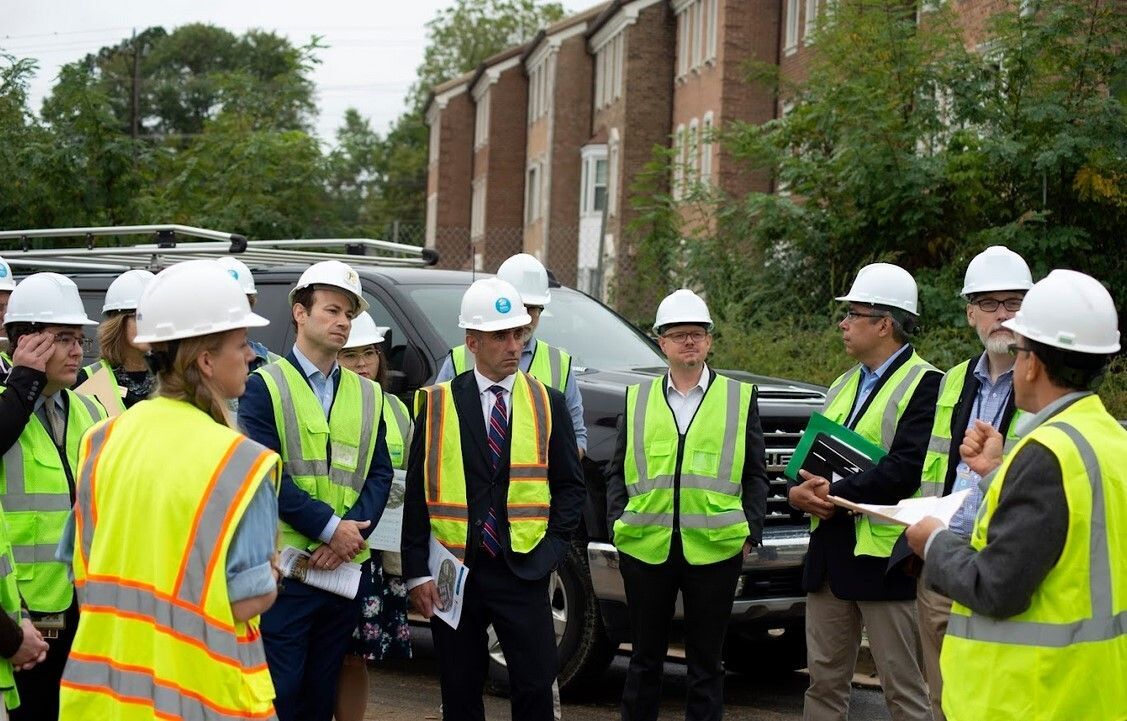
(492, 304)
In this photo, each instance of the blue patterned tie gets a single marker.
(498, 426)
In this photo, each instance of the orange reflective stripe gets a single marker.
(186, 557)
(92, 446)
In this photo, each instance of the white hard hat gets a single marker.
(49, 299)
(334, 273)
(1071, 311)
(884, 284)
(682, 306)
(492, 304)
(364, 332)
(238, 270)
(996, 268)
(7, 280)
(191, 299)
(126, 290)
(528, 276)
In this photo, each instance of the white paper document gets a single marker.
(910, 510)
(450, 576)
(387, 534)
(344, 580)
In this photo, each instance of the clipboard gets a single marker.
(832, 451)
(103, 386)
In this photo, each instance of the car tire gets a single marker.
(766, 652)
(585, 651)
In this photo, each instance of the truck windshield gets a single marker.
(591, 333)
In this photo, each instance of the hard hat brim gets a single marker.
(363, 304)
(517, 321)
(1033, 334)
(251, 320)
(968, 291)
(363, 341)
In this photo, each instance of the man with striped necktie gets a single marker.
(493, 476)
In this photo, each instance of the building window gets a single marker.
(434, 139)
(539, 95)
(477, 209)
(710, 30)
(792, 27)
(614, 166)
(678, 162)
(706, 149)
(593, 184)
(610, 71)
(811, 18)
(481, 121)
(532, 194)
(692, 152)
(696, 34)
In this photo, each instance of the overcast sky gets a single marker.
(374, 46)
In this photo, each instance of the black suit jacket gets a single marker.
(895, 477)
(485, 488)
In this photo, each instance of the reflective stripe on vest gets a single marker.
(712, 521)
(1057, 654)
(550, 365)
(37, 502)
(398, 436)
(10, 605)
(934, 476)
(327, 458)
(186, 656)
(528, 499)
(877, 424)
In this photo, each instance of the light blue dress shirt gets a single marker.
(869, 380)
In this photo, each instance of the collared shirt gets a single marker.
(41, 411)
(989, 406)
(869, 380)
(488, 398)
(322, 385)
(685, 405)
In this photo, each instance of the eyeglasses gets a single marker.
(1013, 349)
(67, 340)
(697, 336)
(989, 305)
(854, 315)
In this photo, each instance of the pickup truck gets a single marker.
(420, 306)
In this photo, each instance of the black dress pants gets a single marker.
(39, 686)
(522, 617)
(707, 593)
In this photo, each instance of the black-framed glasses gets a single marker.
(1014, 348)
(855, 314)
(989, 305)
(696, 336)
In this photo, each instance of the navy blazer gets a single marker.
(296, 507)
(485, 488)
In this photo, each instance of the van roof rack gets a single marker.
(168, 247)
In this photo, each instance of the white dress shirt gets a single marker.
(685, 405)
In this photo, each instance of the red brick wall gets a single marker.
(503, 166)
(451, 180)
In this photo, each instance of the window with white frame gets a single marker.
(593, 182)
(614, 153)
(678, 162)
(435, 129)
(532, 193)
(706, 148)
(811, 18)
(477, 209)
(481, 121)
(791, 43)
(697, 24)
(610, 71)
(539, 95)
(781, 186)
(692, 152)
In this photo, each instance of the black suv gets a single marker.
(420, 306)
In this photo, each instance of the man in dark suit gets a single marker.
(494, 477)
(336, 477)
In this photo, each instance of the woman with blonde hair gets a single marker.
(382, 633)
(120, 352)
(175, 525)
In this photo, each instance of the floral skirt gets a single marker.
(383, 633)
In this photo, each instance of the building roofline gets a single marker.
(446, 87)
(497, 59)
(561, 25)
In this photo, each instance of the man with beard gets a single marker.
(978, 389)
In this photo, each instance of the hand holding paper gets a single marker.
(918, 533)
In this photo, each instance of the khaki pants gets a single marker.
(833, 638)
(933, 609)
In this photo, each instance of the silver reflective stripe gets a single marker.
(16, 499)
(5, 566)
(939, 445)
(91, 407)
(554, 363)
(639, 434)
(448, 511)
(84, 487)
(540, 409)
(836, 389)
(402, 422)
(688, 480)
(633, 518)
(207, 536)
(184, 621)
(141, 686)
(369, 415)
(731, 437)
(436, 411)
(35, 553)
(529, 472)
(712, 520)
(892, 408)
(1103, 625)
(295, 465)
(540, 511)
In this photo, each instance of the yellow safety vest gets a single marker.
(444, 474)
(327, 458)
(877, 424)
(37, 502)
(939, 447)
(713, 525)
(157, 638)
(97, 366)
(9, 604)
(1065, 656)
(550, 365)
(397, 421)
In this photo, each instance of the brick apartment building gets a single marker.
(450, 117)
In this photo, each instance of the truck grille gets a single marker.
(776, 583)
(781, 437)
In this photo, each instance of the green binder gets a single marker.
(847, 446)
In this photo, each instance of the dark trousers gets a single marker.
(522, 617)
(39, 686)
(306, 634)
(707, 593)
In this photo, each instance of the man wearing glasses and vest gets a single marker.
(979, 389)
(686, 498)
(1040, 590)
(546, 363)
(38, 474)
(889, 398)
(325, 422)
(494, 477)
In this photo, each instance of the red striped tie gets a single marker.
(498, 427)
